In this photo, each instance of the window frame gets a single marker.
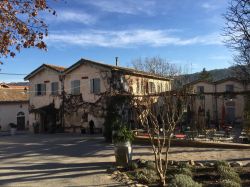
(75, 90)
(53, 90)
(40, 89)
(95, 85)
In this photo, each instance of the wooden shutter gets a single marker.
(97, 85)
(91, 85)
(36, 89)
(43, 89)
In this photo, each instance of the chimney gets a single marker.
(116, 61)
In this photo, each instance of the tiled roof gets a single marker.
(115, 68)
(57, 68)
(13, 95)
(53, 67)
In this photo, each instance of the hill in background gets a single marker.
(216, 74)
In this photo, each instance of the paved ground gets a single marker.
(73, 160)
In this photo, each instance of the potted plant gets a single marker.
(13, 128)
(122, 139)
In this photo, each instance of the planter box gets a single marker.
(123, 153)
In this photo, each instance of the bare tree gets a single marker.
(237, 32)
(156, 65)
(159, 115)
(22, 26)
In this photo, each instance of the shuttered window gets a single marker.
(95, 86)
(54, 88)
(75, 87)
(40, 89)
(151, 87)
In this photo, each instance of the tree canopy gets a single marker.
(21, 25)
(205, 75)
(237, 33)
(156, 65)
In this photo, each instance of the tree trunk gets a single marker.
(163, 181)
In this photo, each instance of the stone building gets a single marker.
(73, 97)
(222, 101)
(14, 106)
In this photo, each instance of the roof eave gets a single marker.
(33, 73)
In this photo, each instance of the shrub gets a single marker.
(146, 176)
(123, 134)
(226, 172)
(12, 125)
(186, 171)
(181, 180)
(221, 163)
(229, 183)
(185, 165)
(133, 165)
(150, 165)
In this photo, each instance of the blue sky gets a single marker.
(187, 33)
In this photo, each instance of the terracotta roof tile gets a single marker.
(13, 95)
(57, 68)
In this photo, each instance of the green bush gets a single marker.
(150, 165)
(186, 171)
(226, 172)
(185, 165)
(229, 183)
(221, 163)
(181, 180)
(133, 165)
(123, 134)
(146, 176)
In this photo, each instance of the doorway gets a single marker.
(230, 115)
(20, 121)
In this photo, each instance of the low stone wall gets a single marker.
(193, 143)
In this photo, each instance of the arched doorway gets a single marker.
(20, 121)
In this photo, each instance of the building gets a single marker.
(73, 97)
(218, 103)
(14, 104)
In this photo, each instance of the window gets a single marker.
(137, 86)
(75, 87)
(200, 89)
(151, 87)
(166, 87)
(142, 86)
(40, 89)
(229, 88)
(85, 117)
(158, 88)
(95, 86)
(54, 88)
(146, 86)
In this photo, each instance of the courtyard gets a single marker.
(75, 160)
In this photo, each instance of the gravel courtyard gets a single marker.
(74, 160)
